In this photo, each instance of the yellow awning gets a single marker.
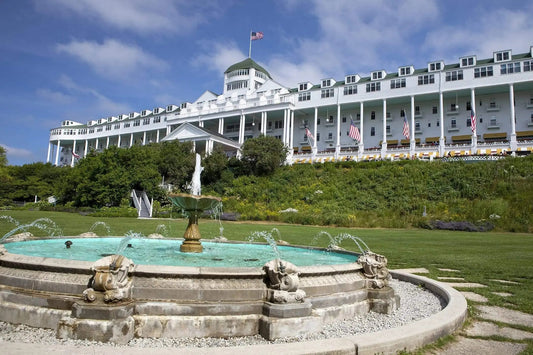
(524, 134)
(465, 137)
(502, 135)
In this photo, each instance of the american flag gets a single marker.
(405, 131)
(75, 155)
(473, 120)
(354, 132)
(257, 35)
(309, 134)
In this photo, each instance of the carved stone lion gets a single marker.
(375, 269)
(110, 277)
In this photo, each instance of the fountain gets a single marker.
(193, 205)
(116, 295)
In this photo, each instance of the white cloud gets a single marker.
(218, 56)
(17, 153)
(113, 59)
(96, 102)
(55, 97)
(494, 29)
(140, 16)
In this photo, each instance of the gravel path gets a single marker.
(416, 303)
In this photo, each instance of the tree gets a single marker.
(176, 162)
(263, 155)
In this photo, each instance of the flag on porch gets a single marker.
(309, 134)
(75, 155)
(354, 132)
(473, 120)
(405, 131)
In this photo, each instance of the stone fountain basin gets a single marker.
(189, 202)
(172, 301)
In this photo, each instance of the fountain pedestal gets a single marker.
(193, 206)
(192, 236)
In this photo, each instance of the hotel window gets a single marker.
(127, 125)
(483, 72)
(344, 120)
(117, 126)
(351, 79)
(453, 123)
(370, 87)
(373, 115)
(492, 103)
(146, 121)
(510, 68)
(388, 129)
(100, 129)
(239, 72)
(157, 119)
(326, 83)
(466, 62)
(136, 123)
(91, 130)
(327, 93)
(330, 136)
(528, 65)
(417, 110)
(397, 83)
(426, 79)
(303, 87)
(454, 75)
(350, 90)
(501, 56)
(318, 137)
(237, 85)
(468, 106)
(304, 96)
(453, 107)
(372, 131)
(108, 127)
(388, 115)
(358, 117)
(435, 66)
(329, 120)
(377, 75)
(435, 111)
(402, 113)
(278, 124)
(405, 71)
(417, 126)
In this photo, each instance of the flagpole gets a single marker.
(250, 48)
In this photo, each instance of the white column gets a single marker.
(168, 130)
(156, 136)
(315, 133)
(241, 128)
(144, 138)
(412, 145)
(338, 140)
(118, 141)
(48, 154)
(73, 152)
(201, 124)
(221, 126)
(384, 139)
(284, 136)
(57, 151)
(361, 145)
(264, 122)
(474, 133)
(514, 144)
(208, 147)
(291, 131)
(107, 143)
(442, 140)
(131, 140)
(86, 148)
(96, 145)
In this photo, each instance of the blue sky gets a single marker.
(88, 59)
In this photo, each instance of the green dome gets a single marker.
(247, 64)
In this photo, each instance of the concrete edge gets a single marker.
(421, 332)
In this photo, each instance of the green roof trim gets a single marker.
(248, 63)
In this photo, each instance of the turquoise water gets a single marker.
(166, 252)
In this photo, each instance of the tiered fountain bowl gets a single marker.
(193, 206)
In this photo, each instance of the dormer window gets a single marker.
(502, 56)
(376, 75)
(436, 66)
(145, 112)
(468, 61)
(303, 86)
(403, 71)
(326, 83)
(184, 105)
(352, 79)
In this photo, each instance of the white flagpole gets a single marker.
(250, 48)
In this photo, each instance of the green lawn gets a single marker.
(479, 257)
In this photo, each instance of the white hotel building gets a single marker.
(435, 101)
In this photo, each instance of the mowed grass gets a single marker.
(478, 257)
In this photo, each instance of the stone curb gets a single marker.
(408, 337)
